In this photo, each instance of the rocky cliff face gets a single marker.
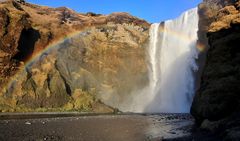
(217, 103)
(207, 11)
(27, 29)
(104, 61)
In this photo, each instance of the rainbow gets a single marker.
(36, 56)
(52, 45)
(73, 34)
(178, 35)
(175, 34)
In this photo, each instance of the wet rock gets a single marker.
(209, 126)
(28, 123)
(232, 134)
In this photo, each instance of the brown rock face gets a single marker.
(218, 98)
(13, 21)
(105, 60)
(21, 22)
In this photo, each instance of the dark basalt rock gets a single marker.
(218, 95)
(217, 102)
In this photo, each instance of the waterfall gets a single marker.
(171, 57)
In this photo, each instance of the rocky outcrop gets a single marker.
(217, 102)
(104, 63)
(96, 58)
(208, 11)
(20, 21)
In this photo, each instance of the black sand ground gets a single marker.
(132, 127)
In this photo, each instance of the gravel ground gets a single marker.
(132, 127)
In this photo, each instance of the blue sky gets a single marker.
(150, 10)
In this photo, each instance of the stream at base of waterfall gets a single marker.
(118, 127)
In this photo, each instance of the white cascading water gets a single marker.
(172, 52)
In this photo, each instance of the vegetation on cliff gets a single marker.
(106, 52)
